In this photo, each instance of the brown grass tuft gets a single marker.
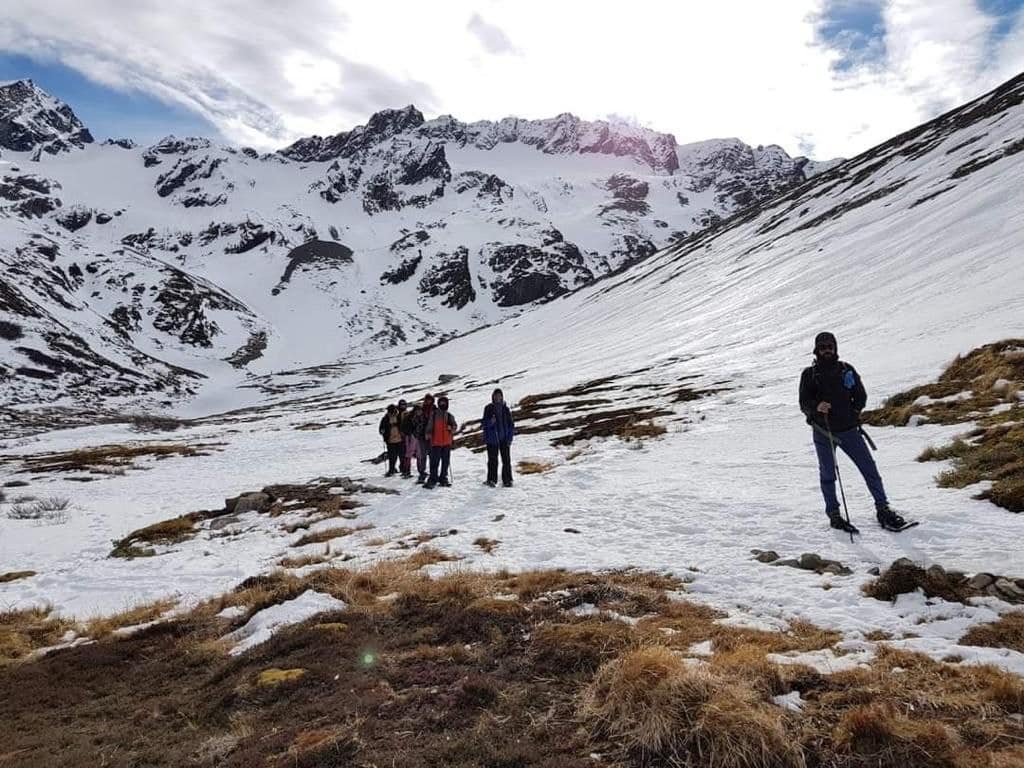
(15, 575)
(322, 748)
(879, 735)
(579, 646)
(27, 630)
(137, 614)
(304, 560)
(656, 706)
(1007, 632)
(994, 450)
(327, 534)
(105, 457)
(534, 467)
(165, 532)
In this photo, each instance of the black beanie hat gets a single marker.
(823, 338)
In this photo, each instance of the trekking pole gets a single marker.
(835, 463)
(451, 472)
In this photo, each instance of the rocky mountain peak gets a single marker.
(33, 120)
(381, 126)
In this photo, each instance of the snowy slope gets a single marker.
(161, 269)
(910, 253)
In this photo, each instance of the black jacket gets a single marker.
(838, 385)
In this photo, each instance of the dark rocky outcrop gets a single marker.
(450, 279)
(381, 126)
(32, 120)
(318, 254)
(403, 271)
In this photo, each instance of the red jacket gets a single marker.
(440, 429)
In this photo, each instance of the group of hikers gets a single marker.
(425, 432)
(832, 396)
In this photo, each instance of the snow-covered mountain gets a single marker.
(141, 271)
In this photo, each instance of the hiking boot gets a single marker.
(443, 483)
(841, 525)
(490, 483)
(887, 518)
(507, 484)
(429, 484)
(407, 474)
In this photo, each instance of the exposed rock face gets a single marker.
(31, 120)
(531, 273)
(314, 254)
(381, 126)
(450, 279)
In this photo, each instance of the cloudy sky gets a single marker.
(820, 77)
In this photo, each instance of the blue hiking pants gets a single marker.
(851, 442)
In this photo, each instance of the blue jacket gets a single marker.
(498, 425)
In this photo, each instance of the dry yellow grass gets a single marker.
(327, 534)
(878, 734)
(304, 560)
(657, 706)
(534, 467)
(107, 456)
(25, 631)
(991, 376)
(165, 532)
(273, 676)
(102, 626)
(511, 664)
(1007, 632)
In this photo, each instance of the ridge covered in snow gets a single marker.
(144, 275)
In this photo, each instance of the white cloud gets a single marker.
(492, 38)
(266, 73)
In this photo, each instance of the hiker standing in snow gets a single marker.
(403, 456)
(440, 431)
(832, 397)
(421, 437)
(498, 433)
(410, 426)
(391, 432)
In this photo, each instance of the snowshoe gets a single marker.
(841, 525)
(893, 521)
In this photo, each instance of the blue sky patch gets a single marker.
(855, 29)
(106, 112)
(1004, 12)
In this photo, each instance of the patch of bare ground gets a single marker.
(491, 669)
(487, 545)
(983, 386)
(110, 459)
(624, 406)
(15, 576)
(319, 500)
